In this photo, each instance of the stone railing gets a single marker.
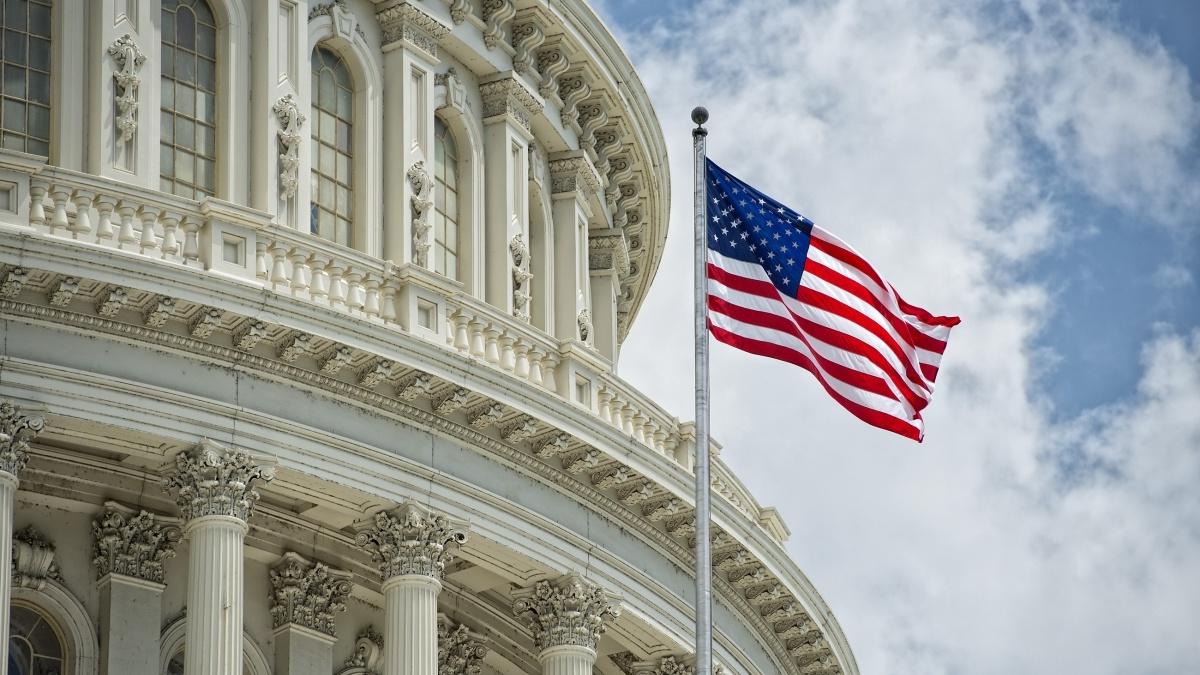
(243, 244)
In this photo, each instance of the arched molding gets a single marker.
(71, 618)
(450, 104)
(339, 34)
(174, 637)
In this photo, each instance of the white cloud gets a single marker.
(1172, 276)
(1005, 543)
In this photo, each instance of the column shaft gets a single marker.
(8, 487)
(567, 660)
(410, 629)
(303, 651)
(130, 621)
(215, 594)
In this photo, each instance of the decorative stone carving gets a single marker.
(368, 651)
(422, 201)
(497, 14)
(551, 62)
(521, 276)
(607, 250)
(129, 59)
(572, 89)
(206, 321)
(569, 610)
(326, 9)
(212, 480)
(593, 114)
(131, 544)
(159, 312)
(450, 400)
(510, 96)
(249, 335)
(294, 347)
(414, 385)
(460, 651)
(459, 10)
(336, 359)
(527, 36)
(612, 477)
(584, 321)
(290, 119)
(307, 594)
(668, 665)
(14, 281)
(33, 560)
(110, 303)
(573, 173)
(582, 460)
(407, 21)
(64, 291)
(485, 415)
(551, 445)
(449, 91)
(519, 430)
(16, 431)
(412, 540)
(377, 372)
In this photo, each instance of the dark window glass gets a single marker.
(445, 200)
(25, 109)
(189, 118)
(332, 126)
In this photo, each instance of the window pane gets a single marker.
(206, 107)
(39, 19)
(14, 142)
(168, 60)
(183, 166)
(185, 133)
(39, 122)
(206, 74)
(14, 15)
(205, 172)
(167, 128)
(168, 94)
(13, 115)
(185, 28)
(39, 87)
(188, 101)
(14, 81)
(36, 147)
(345, 106)
(168, 24)
(185, 100)
(185, 67)
(206, 142)
(166, 159)
(327, 164)
(343, 136)
(39, 54)
(14, 47)
(206, 40)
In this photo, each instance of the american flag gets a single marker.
(780, 286)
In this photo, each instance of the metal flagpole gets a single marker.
(703, 486)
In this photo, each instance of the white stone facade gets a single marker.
(308, 365)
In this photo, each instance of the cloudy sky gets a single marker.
(1032, 166)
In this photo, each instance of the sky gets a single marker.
(1032, 166)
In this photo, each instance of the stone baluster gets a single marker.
(371, 302)
(279, 275)
(170, 241)
(411, 545)
(492, 352)
(550, 372)
(508, 359)
(355, 293)
(127, 235)
(105, 205)
(60, 196)
(521, 369)
(462, 336)
(129, 548)
(37, 208)
(149, 239)
(83, 213)
(319, 286)
(191, 243)
(16, 430)
(215, 489)
(604, 400)
(306, 597)
(300, 272)
(388, 290)
(536, 356)
(478, 339)
(337, 284)
(567, 617)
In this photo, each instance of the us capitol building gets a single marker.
(310, 315)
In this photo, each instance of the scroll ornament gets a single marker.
(129, 59)
(422, 201)
(290, 119)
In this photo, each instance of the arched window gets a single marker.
(25, 110)
(332, 147)
(445, 214)
(35, 646)
(188, 146)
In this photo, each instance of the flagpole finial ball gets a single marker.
(699, 114)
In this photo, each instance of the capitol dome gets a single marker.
(310, 319)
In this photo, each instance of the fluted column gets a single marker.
(16, 430)
(305, 599)
(214, 488)
(567, 616)
(129, 547)
(411, 545)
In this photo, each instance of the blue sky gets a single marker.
(1032, 166)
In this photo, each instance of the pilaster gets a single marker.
(608, 261)
(123, 94)
(567, 617)
(305, 599)
(411, 546)
(572, 180)
(128, 551)
(215, 489)
(16, 431)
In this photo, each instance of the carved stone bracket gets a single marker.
(307, 594)
(449, 91)
(572, 89)
(132, 544)
(569, 610)
(407, 23)
(497, 14)
(213, 480)
(16, 430)
(527, 36)
(129, 59)
(411, 539)
(551, 62)
(460, 651)
(607, 250)
(507, 95)
(573, 172)
(521, 276)
(33, 560)
(368, 652)
(290, 119)
(459, 10)
(422, 201)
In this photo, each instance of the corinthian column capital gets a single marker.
(411, 539)
(16, 430)
(307, 594)
(213, 480)
(460, 651)
(132, 544)
(668, 665)
(567, 611)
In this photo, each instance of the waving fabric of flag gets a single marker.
(782, 287)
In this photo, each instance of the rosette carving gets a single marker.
(411, 539)
(16, 430)
(307, 594)
(569, 610)
(132, 544)
(212, 480)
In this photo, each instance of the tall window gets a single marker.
(34, 646)
(188, 145)
(445, 214)
(25, 110)
(332, 145)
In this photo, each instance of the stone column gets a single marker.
(128, 550)
(567, 616)
(411, 545)
(214, 488)
(16, 430)
(305, 598)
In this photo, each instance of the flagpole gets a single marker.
(703, 485)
